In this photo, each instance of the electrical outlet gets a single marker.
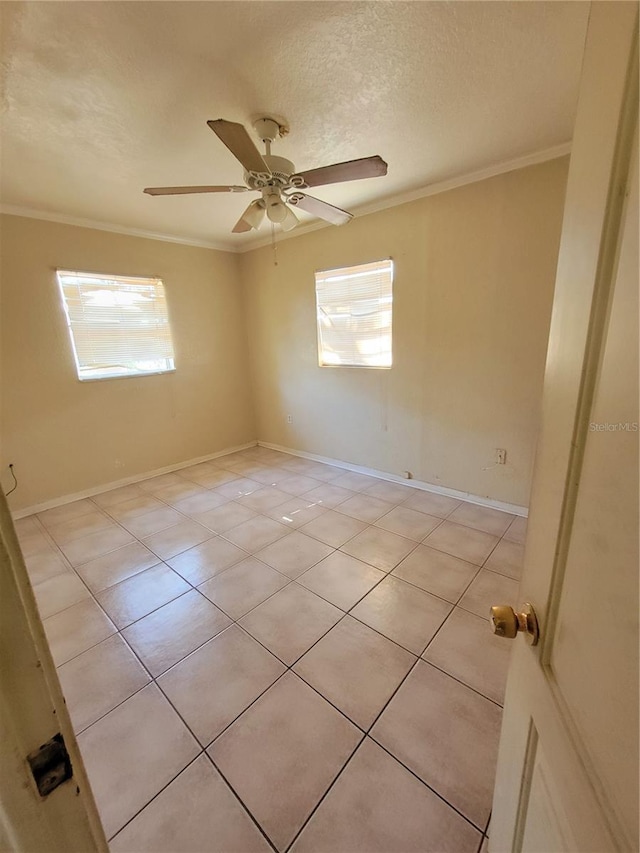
(289, 419)
(501, 456)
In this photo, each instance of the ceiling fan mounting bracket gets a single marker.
(269, 129)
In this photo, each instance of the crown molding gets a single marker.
(429, 189)
(63, 219)
(373, 207)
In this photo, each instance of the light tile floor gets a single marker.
(263, 652)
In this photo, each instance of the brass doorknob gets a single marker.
(505, 622)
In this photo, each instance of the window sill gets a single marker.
(124, 375)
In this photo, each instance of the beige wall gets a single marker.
(65, 436)
(474, 276)
(474, 273)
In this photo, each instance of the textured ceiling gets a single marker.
(101, 99)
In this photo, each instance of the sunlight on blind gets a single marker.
(118, 325)
(354, 315)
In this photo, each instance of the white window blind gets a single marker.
(355, 315)
(118, 324)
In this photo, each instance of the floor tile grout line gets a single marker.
(325, 794)
(463, 683)
(415, 664)
(142, 514)
(289, 669)
(428, 591)
(78, 732)
(131, 577)
(344, 614)
(120, 631)
(104, 510)
(502, 574)
(245, 555)
(430, 787)
(373, 523)
(378, 631)
(202, 750)
(393, 695)
(394, 758)
(157, 794)
(199, 646)
(242, 803)
(393, 504)
(91, 595)
(110, 551)
(154, 678)
(168, 505)
(488, 557)
(255, 606)
(348, 612)
(291, 580)
(155, 609)
(289, 666)
(360, 728)
(435, 666)
(244, 710)
(386, 573)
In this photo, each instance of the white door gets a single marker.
(32, 712)
(567, 774)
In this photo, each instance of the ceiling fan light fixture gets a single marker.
(254, 214)
(290, 221)
(276, 209)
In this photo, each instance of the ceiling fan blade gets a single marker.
(334, 215)
(352, 170)
(251, 218)
(238, 141)
(187, 190)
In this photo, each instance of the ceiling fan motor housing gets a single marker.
(281, 170)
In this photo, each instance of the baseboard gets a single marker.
(89, 493)
(338, 463)
(514, 509)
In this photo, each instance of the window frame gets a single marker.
(322, 364)
(60, 271)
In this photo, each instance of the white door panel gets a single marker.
(568, 766)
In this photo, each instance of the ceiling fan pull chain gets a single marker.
(274, 245)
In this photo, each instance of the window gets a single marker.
(118, 325)
(354, 315)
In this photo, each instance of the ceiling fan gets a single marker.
(276, 178)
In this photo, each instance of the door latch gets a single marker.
(50, 765)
